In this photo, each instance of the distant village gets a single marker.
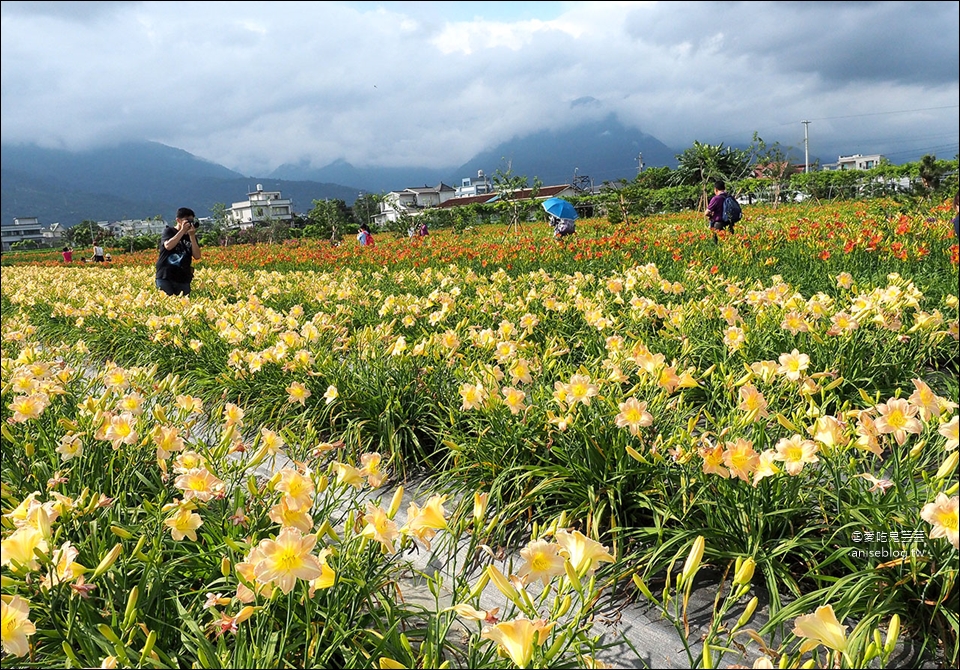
(261, 206)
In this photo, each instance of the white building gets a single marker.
(471, 187)
(259, 207)
(53, 234)
(22, 228)
(412, 201)
(855, 162)
(135, 227)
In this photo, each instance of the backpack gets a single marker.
(564, 227)
(731, 210)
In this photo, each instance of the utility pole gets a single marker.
(806, 146)
(640, 165)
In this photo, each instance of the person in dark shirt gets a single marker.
(178, 249)
(714, 211)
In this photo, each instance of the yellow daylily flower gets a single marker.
(16, 625)
(584, 554)
(821, 627)
(517, 638)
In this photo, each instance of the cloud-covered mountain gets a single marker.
(145, 179)
(131, 180)
(603, 150)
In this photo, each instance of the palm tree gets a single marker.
(930, 172)
(703, 163)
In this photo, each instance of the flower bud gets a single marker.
(747, 613)
(121, 532)
(917, 451)
(503, 584)
(148, 646)
(644, 589)
(692, 564)
(108, 633)
(244, 614)
(395, 503)
(108, 561)
(948, 465)
(480, 506)
(131, 609)
(68, 650)
(745, 572)
(893, 632)
(564, 606)
(573, 576)
(870, 653)
(479, 586)
(272, 484)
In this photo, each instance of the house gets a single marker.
(767, 170)
(558, 191)
(135, 227)
(22, 228)
(52, 234)
(412, 201)
(855, 162)
(471, 187)
(259, 207)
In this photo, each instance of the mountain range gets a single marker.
(144, 179)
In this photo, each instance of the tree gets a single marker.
(81, 235)
(220, 221)
(930, 172)
(653, 178)
(509, 186)
(703, 163)
(366, 206)
(770, 163)
(332, 217)
(622, 199)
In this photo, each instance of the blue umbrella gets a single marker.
(559, 208)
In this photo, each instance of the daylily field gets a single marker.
(244, 477)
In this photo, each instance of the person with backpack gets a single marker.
(723, 210)
(364, 236)
(562, 227)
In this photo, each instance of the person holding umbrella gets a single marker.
(562, 216)
(562, 227)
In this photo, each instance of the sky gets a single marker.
(253, 85)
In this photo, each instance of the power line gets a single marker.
(925, 150)
(902, 111)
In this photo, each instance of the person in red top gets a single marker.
(364, 236)
(67, 255)
(714, 211)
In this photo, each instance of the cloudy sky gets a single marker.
(253, 85)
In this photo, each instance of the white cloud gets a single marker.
(255, 85)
